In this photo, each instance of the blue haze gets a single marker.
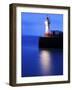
(33, 23)
(32, 26)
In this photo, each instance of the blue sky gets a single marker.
(33, 23)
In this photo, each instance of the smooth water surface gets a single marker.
(36, 62)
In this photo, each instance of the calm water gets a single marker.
(36, 62)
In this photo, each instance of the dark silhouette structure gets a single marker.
(55, 40)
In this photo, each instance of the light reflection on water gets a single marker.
(45, 61)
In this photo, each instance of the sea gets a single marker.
(39, 62)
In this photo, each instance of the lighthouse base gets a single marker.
(51, 42)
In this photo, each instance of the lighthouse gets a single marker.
(47, 27)
(52, 38)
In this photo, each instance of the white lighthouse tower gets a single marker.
(47, 27)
